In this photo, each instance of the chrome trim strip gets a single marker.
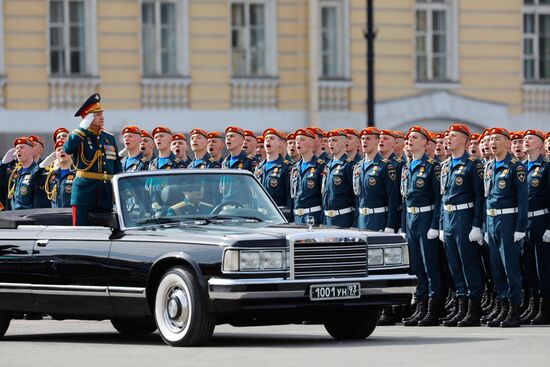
(72, 290)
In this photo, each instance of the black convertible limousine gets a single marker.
(185, 250)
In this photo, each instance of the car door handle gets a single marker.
(42, 243)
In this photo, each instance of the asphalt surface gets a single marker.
(89, 343)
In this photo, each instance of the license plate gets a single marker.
(334, 291)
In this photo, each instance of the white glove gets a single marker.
(389, 230)
(546, 236)
(9, 156)
(486, 238)
(403, 234)
(475, 235)
(87, 121)
(48, 161)
(518, 236)
(122, 153)
(432, 234)
(442, 236)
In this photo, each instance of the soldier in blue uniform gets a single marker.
(179, 147)
(237, 158)
(60, 133)
(420, 188)
(56, 179)
(260, 148)
(507, 208)
(376, 187)
(538, 229)
(199, 146)
(318, 144)
(353, 146)
(215, 146)
(134, 159)
(292, 153)
(16, 177)
(249, 145)
(95, 155)
(306, 180)
(147, 146)
(165, 159)
(274, 172)
(40, 197)
(338, 199)
(462, 219)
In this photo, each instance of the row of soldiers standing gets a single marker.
(455, 188)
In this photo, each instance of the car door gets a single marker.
(16, 273)
(71, 267)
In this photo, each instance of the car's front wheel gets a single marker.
(180, 311)
(353, 325)
(5, 319)
(134, 326)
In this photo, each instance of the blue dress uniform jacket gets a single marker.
(420, 188)
(324, 157)
(206, 162)
(229, 192)
(275, 178)
(169, 163)
(20, 188)
(337, 193)
(242, 161)
(305, 190)
(462, 209)
(133, 164)
(41, 199)
(536, 253)
(506, 189)
(95, 155)
(58, 184)
(5, 172)
(375, 183)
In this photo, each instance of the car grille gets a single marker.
(329, 259)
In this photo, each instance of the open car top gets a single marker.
(45, 217)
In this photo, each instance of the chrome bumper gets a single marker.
(278, 288)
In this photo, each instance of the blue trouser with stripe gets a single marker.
(373, 222)
(541, 253)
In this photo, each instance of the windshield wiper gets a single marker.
(159, 220)
(235, 217)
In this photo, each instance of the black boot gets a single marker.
(490, 305)
(387, 318)
(397, 312)
(512, 320)
(432, 317)
(473, 316)
(452, 313)
(503, 314)
(492, 313)
(485, 298)
(525, 300)
(413, 311)
(462, 311)
(531, 311)
(422, 308)
(543, 317)
(449, 302)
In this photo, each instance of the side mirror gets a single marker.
(103, 219)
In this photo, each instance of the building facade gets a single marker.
(285, 63)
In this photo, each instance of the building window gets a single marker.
(164, 37)
(72, 23)
(252, 38)
(333, 42)
(536, 40)
(436, 43)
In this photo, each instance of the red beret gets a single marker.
(178, 136)
(249, 133)
(548, 135)
(370, 131)
(282, 134)
(22, 140)
(57, 131)
(145, 134)
(515, 135)
(398, 134)
(461, 128)
(500, 131)
(349, 131)
(214, 135)
(475, 136)
(259, 139)
(199, 132)
(234, 129)
(439, 135)
(131, 130)
(336, 132)
(36, 139)
(291, 136)
(316, 131)
(419, 129)
(537, 133)
(305, 132)
(387, 133)
(271, 131)
(161, 129)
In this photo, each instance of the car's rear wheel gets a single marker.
(134, 326)
(5, 319)
(180, 311)
(354, 325)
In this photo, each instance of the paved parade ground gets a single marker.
(83, 343)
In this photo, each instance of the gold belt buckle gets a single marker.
(414, 210)
(448, 207)
(331, 213)
(300, 211)
(492, 212)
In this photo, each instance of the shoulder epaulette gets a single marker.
(547, 160)
(143, 159)
(398, 159)
(178, 205)
(206, 204)
(320, 161)
(514, 160)
(431, 160)
(79, 133)
(286, 161)
(385, 160)
(472, 158)
(177, 160)
(211, 160)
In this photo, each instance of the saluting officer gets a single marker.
(166, 158)
(95, 155)
(420, 189)
(337, 185)
(507, 208)
(16, 179)
(306, 179)
(274, 172)
(237, 158)
(462, 219)
(376, 186)
(134, 159)
(57, 179)
(538, 230)
(199, 143)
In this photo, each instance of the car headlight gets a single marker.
(376, 256)
(248, 260)
(393, 256)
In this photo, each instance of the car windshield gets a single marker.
(174, 197)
